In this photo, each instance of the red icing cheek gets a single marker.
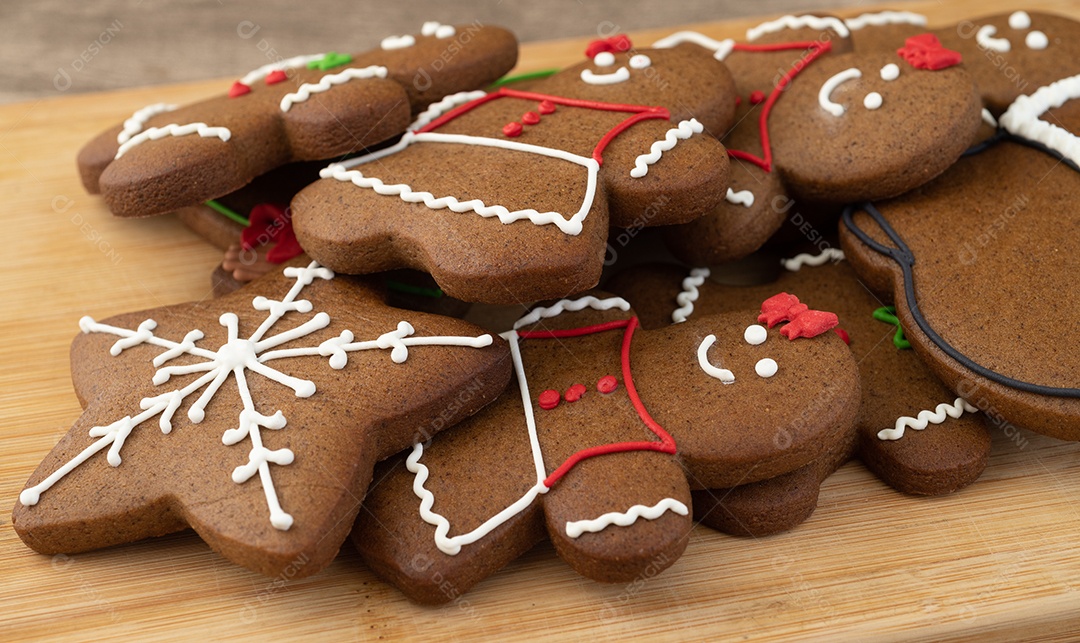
(607, 384)
(574, 393)
(549, 399)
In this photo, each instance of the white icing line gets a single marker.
(925, 418)
(237, 356)
(883, 18)
(156, 133)
(744, 198)
(571, 226)
(795, 263)
(436, 110)
(328, 81)
(683, 131)
(390, 43)
(722, 374)
(1022, 117)
(256, 75)
(571, 305)
(830, 85)
(689, 294)
(721, 48)
(624, 519)
(985, 38)
(622, 74)
(135, 124)
(798, 22)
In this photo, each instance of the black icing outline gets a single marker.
(903, 256)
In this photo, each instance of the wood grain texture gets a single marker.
(998, 560)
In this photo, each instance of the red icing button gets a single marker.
(547, 107)
(512, 129)
(574, 393)
(238, 89)
(757, 97)
(607, 384)
(843, 335)
(276, 77)
(530, 118)
(549, 399)
(738, 101)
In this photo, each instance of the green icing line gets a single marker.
(228, 212)
(330, 60)
(517, 78)
(887, 314)
(413, 290)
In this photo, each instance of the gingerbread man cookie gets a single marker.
(299, 109)
(315, 400)
(507, 196)
(913, 432)
(586, 447)
(981, 265)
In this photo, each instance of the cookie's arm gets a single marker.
(662, 173)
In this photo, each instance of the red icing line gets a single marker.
(607, 384)
(276, 77)
(512, 129)
(666, 443)
(817, 49)
(640, 113)
(238, 89)
(549, 399)
(574, 393)
(843, 335)
(574, 332)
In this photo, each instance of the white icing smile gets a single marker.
(830, 85)
(622, 74)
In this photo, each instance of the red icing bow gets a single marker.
(803, 322)
(269, 223)
(925, 51)
(614, 44)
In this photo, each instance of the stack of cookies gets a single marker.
(671, 284)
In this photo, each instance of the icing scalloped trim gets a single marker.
(577, 528)
(794, 264)
(744, 198)
(156, 133)
(798, 22)
(883, 18)
(940, 413)
(721, 48)
(137, 121)
(447, 103)
(328, 81)
(571, 305)
(259, 73)
(1022, 117)
(681, 132)
(689, 294)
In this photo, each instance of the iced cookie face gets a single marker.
(1011, 54)
(857, 125)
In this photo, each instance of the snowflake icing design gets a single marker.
(237, 356)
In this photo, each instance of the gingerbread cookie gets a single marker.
(999, 229)
(1015, 53)
(586, 448)
(160, 444)
(507, 196)
(912, 431)
(299, 109)
(813, 145)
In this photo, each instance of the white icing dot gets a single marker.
(766, 367)
(755, 334)
(640, 61)
(604, 59)
(872, 100)
(1036, 40)
(890, 72)
(1020, 20)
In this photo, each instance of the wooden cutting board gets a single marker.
(1001, 558)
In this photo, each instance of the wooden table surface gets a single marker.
(1000, 559)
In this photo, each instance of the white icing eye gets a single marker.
(1020, 20)
(640, 61)
(766, 367)
(755, 334)
(890, 72)
(1036, 40)
(604, 59)
(872, 100)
